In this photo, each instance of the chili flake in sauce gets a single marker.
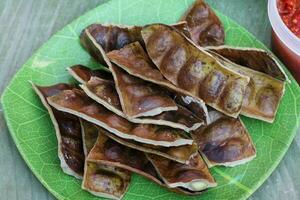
(289, 10)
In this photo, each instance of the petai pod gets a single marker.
(204, 26)
(263, 93)
(99, 39)
(76, 102)
(253, 58)
(133, 59)
(68, 132)
(104, 179)
(140, 98)
(115, 154)
(102, 89)
(193, 69)
(225, 141)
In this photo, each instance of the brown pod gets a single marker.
(225, 141)
(107, 151)
(253, 58)
(89, 135)
(68, 132)
(181, 154)
(194, 176)
(263, 93)
(193, 105)
(140, 98)
(133, 59)
(104, 92)
(104, 180)
(204, 26)
(83, 74)
(99, 39)
(78, 103)
(193, 69)
(235, 145)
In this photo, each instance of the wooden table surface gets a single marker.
(26, 24)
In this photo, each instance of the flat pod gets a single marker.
(181, 154)
(78, 103)
(193, 69)
(133, 59)
(100, 179)
(204, 26)
(225, 141)
(263, 93)
(194, 176)
(104, 92)
(68, 132)
(108, 151)
(83, 74)
(235, 146)
(99, 39)
(140, 98)
(256, 59)
(105, 180)
(89, 135)
(193, 105)
(99, 87)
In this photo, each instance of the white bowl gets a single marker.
(285, 43)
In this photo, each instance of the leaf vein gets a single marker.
(234, 181)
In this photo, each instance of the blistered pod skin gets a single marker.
(134, 60)
(190, 76)
(233, 96)
(194, 176)
(99, 39)
(173, 62)
(180, 154)
(225, 141)
(105, 90)
(105, 181)
(83, 74)
(112, 37)
(253, 58)
(204, 26)
(193, 105)
(109, 152)
(249, 93)
(101, 88)
(262, 95)
(102, 179)
(68, 132)
(98, 85)
(267, 100)
(89, 135)
(140, 98)
(213, 77)
(76, 102)
(212, 86)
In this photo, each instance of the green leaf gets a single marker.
(33, 133)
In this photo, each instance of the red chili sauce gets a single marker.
(289, 10)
